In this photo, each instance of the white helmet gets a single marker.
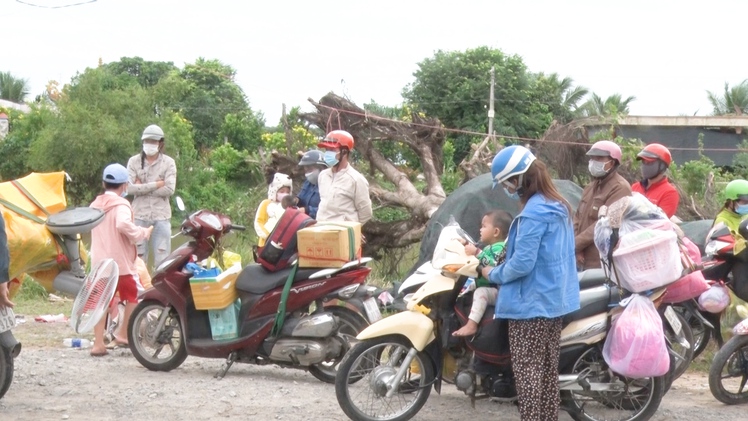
(152, 132)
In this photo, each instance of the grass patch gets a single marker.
(702, 363)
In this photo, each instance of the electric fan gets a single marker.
(93, 299)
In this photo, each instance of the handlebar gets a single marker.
(237, 227)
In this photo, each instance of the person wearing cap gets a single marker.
(606, 187)
(307, 200)
(115, 238)
(654, 184)
(343, 191)
(153, 178)
(735, 209)
(271, 209)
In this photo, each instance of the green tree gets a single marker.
(205, 92)
(242, 130)
(454, 87)
(146, 73)
(98, 121)
(611, 106)
(15, 147)
(733, 101)
(13, 88)
(560, 95)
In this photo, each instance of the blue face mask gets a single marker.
(513, 196)
(124, 193)
(741, 210)
(330, 158)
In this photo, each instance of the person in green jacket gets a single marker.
(493, 231)
(736, 205)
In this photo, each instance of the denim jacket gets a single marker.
(539, 276)
(4, 253)
(309, 198)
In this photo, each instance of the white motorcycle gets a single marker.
(389, 374)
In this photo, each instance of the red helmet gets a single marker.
(337, 139)
(656, 151)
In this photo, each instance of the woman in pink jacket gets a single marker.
(115, 238)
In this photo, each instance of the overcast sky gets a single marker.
(665, 53)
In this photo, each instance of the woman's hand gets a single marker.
(4, 297)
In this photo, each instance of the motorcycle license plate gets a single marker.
(372, 310)
(673, 320)
(7, 319)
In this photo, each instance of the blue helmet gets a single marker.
(510, 161)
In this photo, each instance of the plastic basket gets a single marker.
(650, 263)
(215, 293)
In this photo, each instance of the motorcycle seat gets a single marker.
(591, 278)
(255, 279)
(592, 301)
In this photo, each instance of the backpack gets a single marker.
(280, 247)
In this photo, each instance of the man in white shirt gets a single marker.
(343, 191)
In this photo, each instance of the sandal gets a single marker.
(114, 344)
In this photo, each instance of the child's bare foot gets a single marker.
(468, 330)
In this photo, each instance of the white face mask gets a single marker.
(597, 168)
(279, 197)
(150, 149)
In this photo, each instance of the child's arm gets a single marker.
(124, 224)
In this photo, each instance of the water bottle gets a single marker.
(76, 343)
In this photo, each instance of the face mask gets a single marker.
(330, 158)
(597, 168)
(149, 149)
(124, 193)
(279, 197)
(650, 170)
(741, 210)
(312, 176)
(513, 196)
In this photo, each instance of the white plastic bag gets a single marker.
(715, 299)
(635, 346)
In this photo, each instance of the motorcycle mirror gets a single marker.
(180, 203)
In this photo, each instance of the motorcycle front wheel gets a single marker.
(6, 370)
(364, 373)
(350, 325)
(156, 351)
(728, 374)
(628, 399)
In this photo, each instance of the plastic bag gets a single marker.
(635, 346)
(715, 299)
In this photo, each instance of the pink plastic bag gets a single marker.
(635, 346)
(693, 250)
(715, 299)
(685, 288)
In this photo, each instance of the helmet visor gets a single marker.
(597, 152)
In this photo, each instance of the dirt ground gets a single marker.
(57, 383)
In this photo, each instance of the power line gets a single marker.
(55, 7)
(525, 139)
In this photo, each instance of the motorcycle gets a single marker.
(728, 374)
(9, 348)
(389, 374)
(166, 327)
(721, 264)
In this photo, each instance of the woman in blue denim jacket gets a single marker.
(308, 198)
(538, 279)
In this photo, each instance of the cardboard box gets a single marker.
(224, 323)
(215, 293)
(329, 244)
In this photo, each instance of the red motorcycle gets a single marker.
(318, 330)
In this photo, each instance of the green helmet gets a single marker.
(737, 189)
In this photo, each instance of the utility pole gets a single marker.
(490, 104)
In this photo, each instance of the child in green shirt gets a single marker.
(493, 231)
